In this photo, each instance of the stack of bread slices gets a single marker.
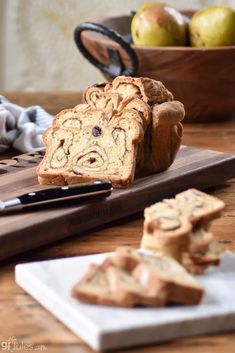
(179, 228)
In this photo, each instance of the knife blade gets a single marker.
(79, 191)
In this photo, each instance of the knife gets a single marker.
(78, 191)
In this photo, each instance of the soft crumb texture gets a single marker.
(87, 144)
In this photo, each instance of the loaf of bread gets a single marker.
(179, 228)
(124, 127)
(161, 114)
(130, 278)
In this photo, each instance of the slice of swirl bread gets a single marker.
(200, 240)
(160, 274)
(164, 274)
(177, 226)
(94, 288)
(149, 90)
(87, 143)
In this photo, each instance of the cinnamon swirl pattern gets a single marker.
(88, 144)
(123, 126)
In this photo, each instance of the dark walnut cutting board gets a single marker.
(26, 230)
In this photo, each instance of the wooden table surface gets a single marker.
(23, 319)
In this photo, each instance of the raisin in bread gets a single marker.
(87, 143)
(179, 228)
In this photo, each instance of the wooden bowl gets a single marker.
(202, 78)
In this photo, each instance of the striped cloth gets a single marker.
(22, 128)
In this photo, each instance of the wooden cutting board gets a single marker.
(26, 230)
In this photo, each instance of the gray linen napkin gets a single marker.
(22, 128)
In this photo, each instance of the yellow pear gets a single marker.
(156, 24)
(213, 26)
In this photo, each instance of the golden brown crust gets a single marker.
(150, 91)
(166, 135)
(90, 92)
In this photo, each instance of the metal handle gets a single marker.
(115, 67)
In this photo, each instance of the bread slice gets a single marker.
(210, 256)
(89, 144)
(200, 240)
(165, 230)
(199, 207)
(94, 288)
(149, 90)
(95, 97)
(191, 266)
(164, 274)
(198, 261)
(161, 276)
(121, 281)
(124, 257)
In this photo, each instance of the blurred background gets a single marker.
(37, 51)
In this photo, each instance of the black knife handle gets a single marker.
(77, 191)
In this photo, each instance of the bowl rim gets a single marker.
(106, 40)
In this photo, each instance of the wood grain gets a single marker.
(25, 319)
(192, 168)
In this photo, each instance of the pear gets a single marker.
(156, 24)
(213, 26)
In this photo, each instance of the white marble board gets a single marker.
(104, 328)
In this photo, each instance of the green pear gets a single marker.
(213, 26)
(156, 24)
